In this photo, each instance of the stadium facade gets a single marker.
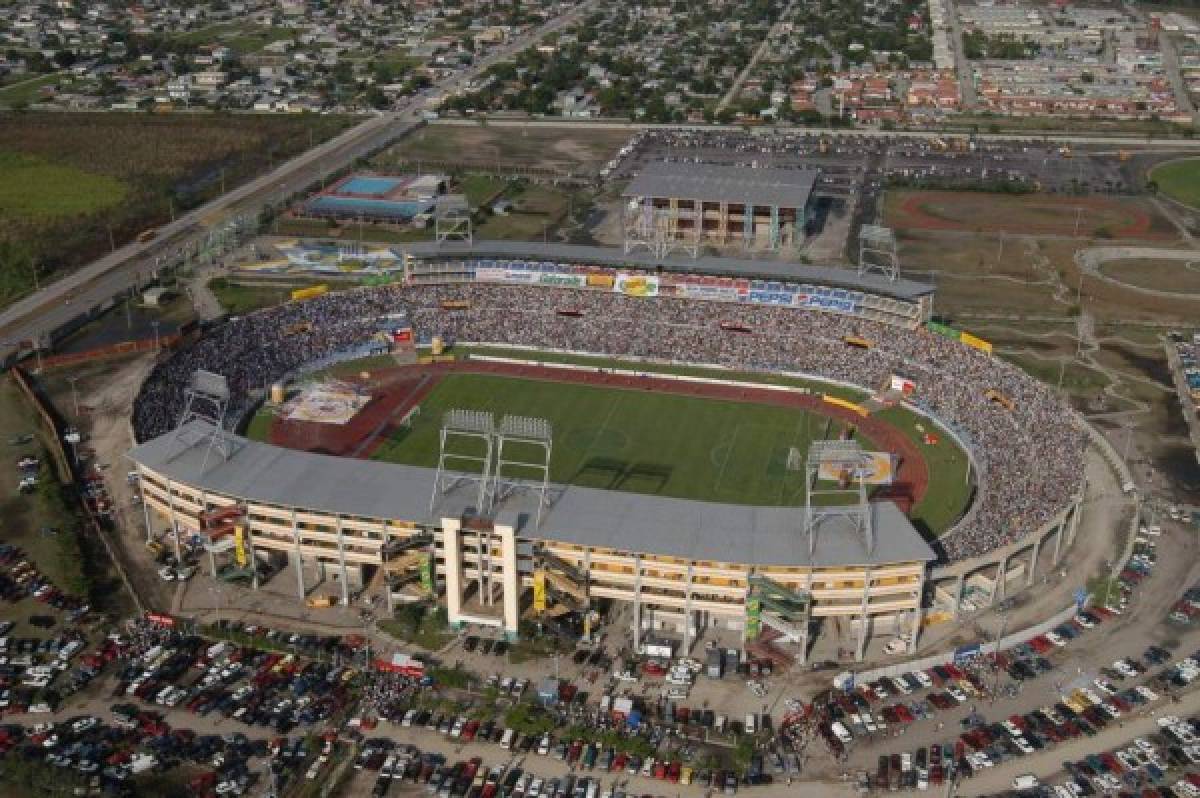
(681, 566)
(688, 205)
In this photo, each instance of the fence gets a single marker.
(115, 350)
(985, 648)
(50, 420)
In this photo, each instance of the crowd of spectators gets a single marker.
(1027, 445)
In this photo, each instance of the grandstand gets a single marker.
(682, 564)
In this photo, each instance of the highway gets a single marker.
(32, 318)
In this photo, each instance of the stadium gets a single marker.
(539, 431)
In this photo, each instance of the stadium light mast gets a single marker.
(878, 252)
(206, 403)
(846, 465)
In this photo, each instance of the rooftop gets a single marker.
(786, 188)
(628, 522)
(750, 268)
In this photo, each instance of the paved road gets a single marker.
(966, 76)
(774, 31)
(33, 317)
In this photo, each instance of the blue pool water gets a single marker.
(369, 185)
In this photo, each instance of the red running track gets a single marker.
(397, 390)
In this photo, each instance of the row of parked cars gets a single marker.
(255, 687)
(1144, 765)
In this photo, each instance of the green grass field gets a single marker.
(1179, 180)
(31, 188)
(618, 439)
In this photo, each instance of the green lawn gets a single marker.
(25, 92)
(619, 439)
(31, 188)
(948, 491)
(238, 299)
(1179, 180)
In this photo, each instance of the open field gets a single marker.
(1179, 180)
(242, 39)
(131, 172)
(1178, 276)
(506, 149)
(1030, 214)
(537, 209)
(32, 188)
(238, 298)
(25, 91)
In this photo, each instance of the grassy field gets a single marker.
(32, 188)
(537, 209)
(238, 298)
(107, 177)
(241, 38)
(512, 150)
(1177, 276)
(617, 439)
(1033, 214)
(25, 92)
(1179, 180)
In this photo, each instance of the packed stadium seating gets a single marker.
(1028, 448)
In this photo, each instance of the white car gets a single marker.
(166, 573)
(923, 678)
(956, 694)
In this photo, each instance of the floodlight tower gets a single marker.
(206, 400)
(459, 429)
(878, 252)
(528, 434)
(839, 458)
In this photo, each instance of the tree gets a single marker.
(65, 59)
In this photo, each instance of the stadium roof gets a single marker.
(749, 268)
(785, 188)
(629, 522)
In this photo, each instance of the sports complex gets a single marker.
(560, 433)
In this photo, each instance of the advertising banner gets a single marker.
(826, 302)
(902, 385)
(239, 546)
(753, 617)
(640, 285)
(878, 469)
(539, 591)
(427, 573)
(845, 404)
(944, 330)
(762, 297)
(309, 293)
(562, 280)
(490, 274)
(976, 343)
(600, 281)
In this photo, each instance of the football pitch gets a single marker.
(640, 441)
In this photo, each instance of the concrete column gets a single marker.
(451, 543)
(1033, 558)
(918, 613)
(145, 503)
(637, 603)
(958, 592)
(299, 558)
(998, 584)
(341, 543)
(863, 621)
(1076, 511)
(510, 579)
(174, 521)
(687, 612)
